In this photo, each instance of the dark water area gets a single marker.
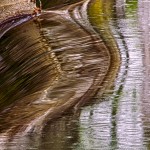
(46, 4)
(25, 64)
(76, 77)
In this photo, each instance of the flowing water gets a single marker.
(76, 77)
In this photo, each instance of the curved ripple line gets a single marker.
(86, 72)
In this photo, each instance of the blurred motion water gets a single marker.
(70, 57)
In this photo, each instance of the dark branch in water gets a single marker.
(37, 10)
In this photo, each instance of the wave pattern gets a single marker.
(49, 65)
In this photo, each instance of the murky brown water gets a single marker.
(71, 57)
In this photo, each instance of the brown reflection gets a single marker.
(26, 65)
(77, 52)
(27, 68)
(144, 18)
(28, 57)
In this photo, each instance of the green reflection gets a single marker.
(101, 14)
(131, 6)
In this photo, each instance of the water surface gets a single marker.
(63, 61)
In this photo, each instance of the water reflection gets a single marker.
(144, 19)
(62, 134)
(124, 122)
(115, 123)
(59, 65)
(21, 64)
(127, 122)
(56, 4)
(118, 119)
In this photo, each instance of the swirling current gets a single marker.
(76, 76)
